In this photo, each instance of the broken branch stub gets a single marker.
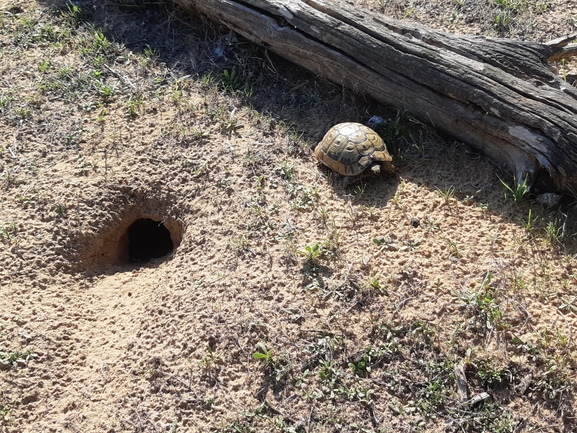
(497, 95)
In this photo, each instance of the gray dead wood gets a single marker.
(497, 95)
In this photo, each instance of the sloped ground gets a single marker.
(288, 303)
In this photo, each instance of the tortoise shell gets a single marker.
(350, 148)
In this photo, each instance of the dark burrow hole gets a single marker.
(148, 239)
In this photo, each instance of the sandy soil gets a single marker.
(431, 268)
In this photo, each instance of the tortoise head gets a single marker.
(381, 168)
(375, 168)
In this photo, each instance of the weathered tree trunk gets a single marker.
(497, 95)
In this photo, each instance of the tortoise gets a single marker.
(352, 150)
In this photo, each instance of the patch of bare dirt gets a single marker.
(115, 112)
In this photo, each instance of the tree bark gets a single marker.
(497, 95)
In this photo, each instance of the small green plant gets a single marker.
(252, 158)
(7, 359)
(230, 79)
(230, 122)
(260, 182)
(370, 211)
(177, 91)
(201, 169)
(44, 65)
(384, 242)
(241, 244)
(98, 61)
(323, 214)
(210, 360)
(4, 101)
(353, 214)
(439, 284)
(263, 353)
(224, 183)
(286, 170)
(73, 14)
(374, 282)
(66, 73)
(330, 374)
(423, 329)
(311, 253)
(447, 193)
(207, 401)
(330, 246)
(488, 307)
(410, 244)
(408, 12)
(100, 43)
(360, 189)
(506, 12)
(363, 364)
(28, 23)
(569, 304)
(530, 223)
(133, 106)
(104, 90)
(431, 397)
(5, 413)
(23, 113)
(302, 198)
(518, 283)
(508, 4)
(289, 248)
(150, 52)
(276, 367)
(25, 199)
(48, 34)
(102, 115)
(10, 179)
(488, 374)
(554, 233)
(208, 79)
(503, 20)
(484, 307)
(60, 210)
(454, 249)
(9, 230)
(232, 82)
(198, 133)
(519, 191)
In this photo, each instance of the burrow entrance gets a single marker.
(148, 239)
(138, 236)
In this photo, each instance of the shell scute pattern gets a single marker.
(349, 148)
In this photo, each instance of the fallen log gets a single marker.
(497, 95)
